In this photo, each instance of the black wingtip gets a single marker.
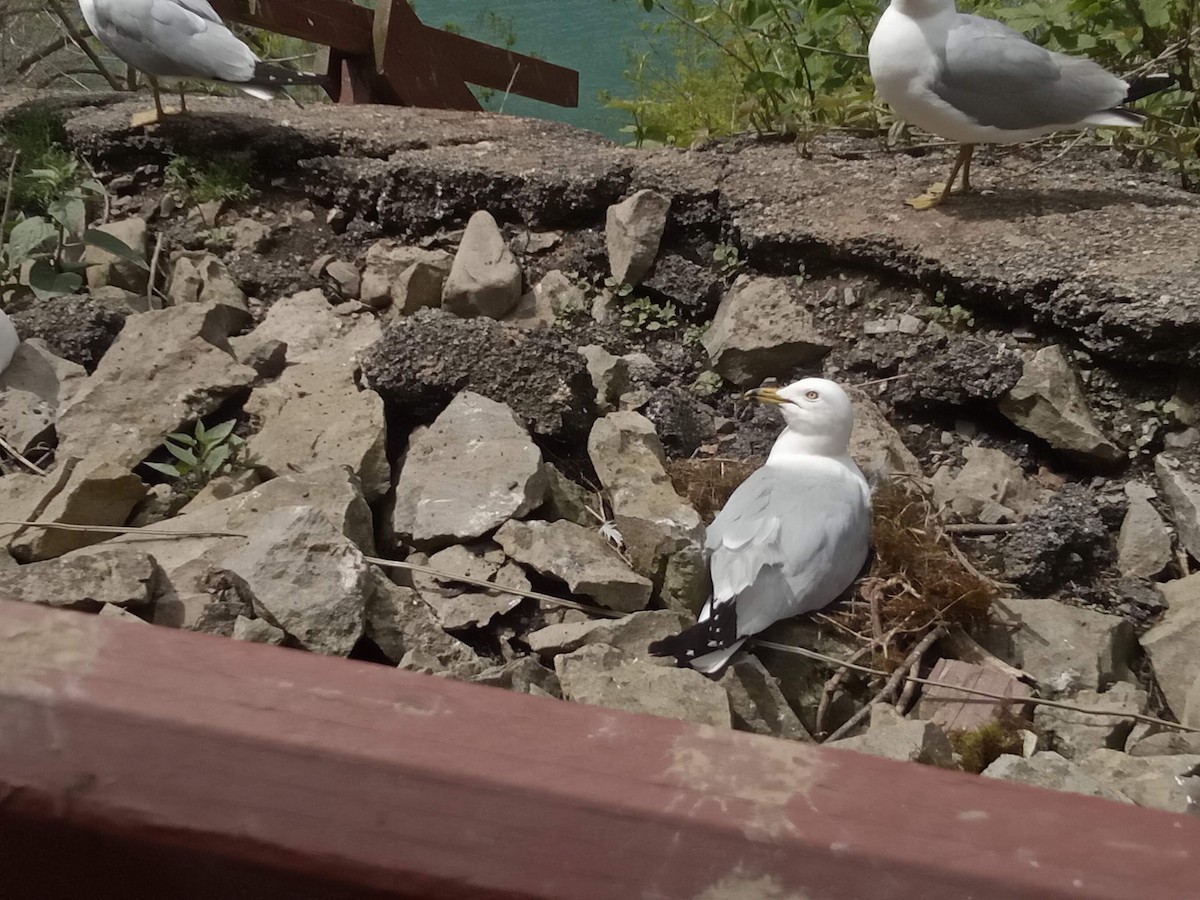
(1145, 85)
(713, 634)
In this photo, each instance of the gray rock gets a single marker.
(202, 278)
(307, 323)
(425, 359)
(257, 631)
(559, 295)
(405, 278)
(304, 576)
(403, 625)
(315, 416)
(35, 370)
(1144, 544)
(346, 278)
(1148, 781)
(757, 703)
(762, 330)
(467, 474)
(249, 235)
(632, 233)
(567, 500)
(876, 446)
(655, 522)
(1064, 539)
(599, 675)
(987, 475)
(103, 268)
(117, 577)
(109, 611)
(91, 493)
(458, 605)
(1165, 743)
(894, 737)
(1065, 648)
(1171, 646)
(183, 352)
(1074, 734)
(523, 675)
(1048, 769)
(609, 374)
(681, 421)
(25, 420)
(1049, 402)
(631, 634)
(579, 556)
(485, 279)
(1179, 474)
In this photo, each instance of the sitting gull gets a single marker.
(792, 537)
(974, 80)
(183, 39)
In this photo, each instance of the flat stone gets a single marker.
(346, 277)
(656, 523)
(405, 278)
(894, 737)
(762, 329)
(1144, 543)
(987, 475)
(26, 420)
(579, 556)
(202, 278)
(1075, 734)
(485, 279)
(523, 675)
(116, 577)
(183, 351)
(1047, 769)
(632, 233)
(632, 634)
(1179, 474)
(609, 374)
(37, 371)
(458, 605)
(567, 500)
(103, 268)
(306, 578)
(757, 703)
(599, 675)
(257, 631)
(405, 627)
(307, 324)
(1148, 781)
(1048, 401)
(1171, 645)
(314, 416)
(876, 446)
(467, 474)
(1065, 648)
(1165, 743)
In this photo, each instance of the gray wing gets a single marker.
(786, 543)
(998, 78)
(174, 39)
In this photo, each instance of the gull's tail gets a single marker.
(706, 646)
(268, 78)
(1145, 85)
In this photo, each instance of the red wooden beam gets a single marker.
(347, 27)
(405, 58)
(140, 762)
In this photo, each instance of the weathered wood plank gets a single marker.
(200, 756)
(494, 67)
(339, 24)
(404, 57)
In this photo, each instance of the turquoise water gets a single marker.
(591, 36)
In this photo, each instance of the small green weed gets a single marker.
(952, 317)
(194, 181)
(707, 383)
(202, 456)
(642, 315)
(728, 260)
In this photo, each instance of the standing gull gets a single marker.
(976, 81)
(792, 537)
(183, 39)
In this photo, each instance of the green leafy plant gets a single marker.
(694, 334)
(210, 181)
(203, 455)
(728, 260)
(640, 314)
(618, 289)
(950, 316)
(707, 383)
(43, 252)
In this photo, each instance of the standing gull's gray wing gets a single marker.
(996, 77)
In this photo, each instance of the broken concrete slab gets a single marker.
(1075, 734)
(257, 631)
(892, 736)
(632, 634)
(117, 576)
(1179, 474)
(404, 627)
(588, 564)
(459, 605)
(200, 277)
(1148, 781)
(36, 370)
(1144, 543)
(403, 277)
(522, 675)
(307, 323)
(987, 476)
(600, 675)
(757, 703)
(468, 473)
(1171, 646)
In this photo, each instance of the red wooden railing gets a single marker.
(140, 762)
(389, 56)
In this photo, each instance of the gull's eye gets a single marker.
(811, 395)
